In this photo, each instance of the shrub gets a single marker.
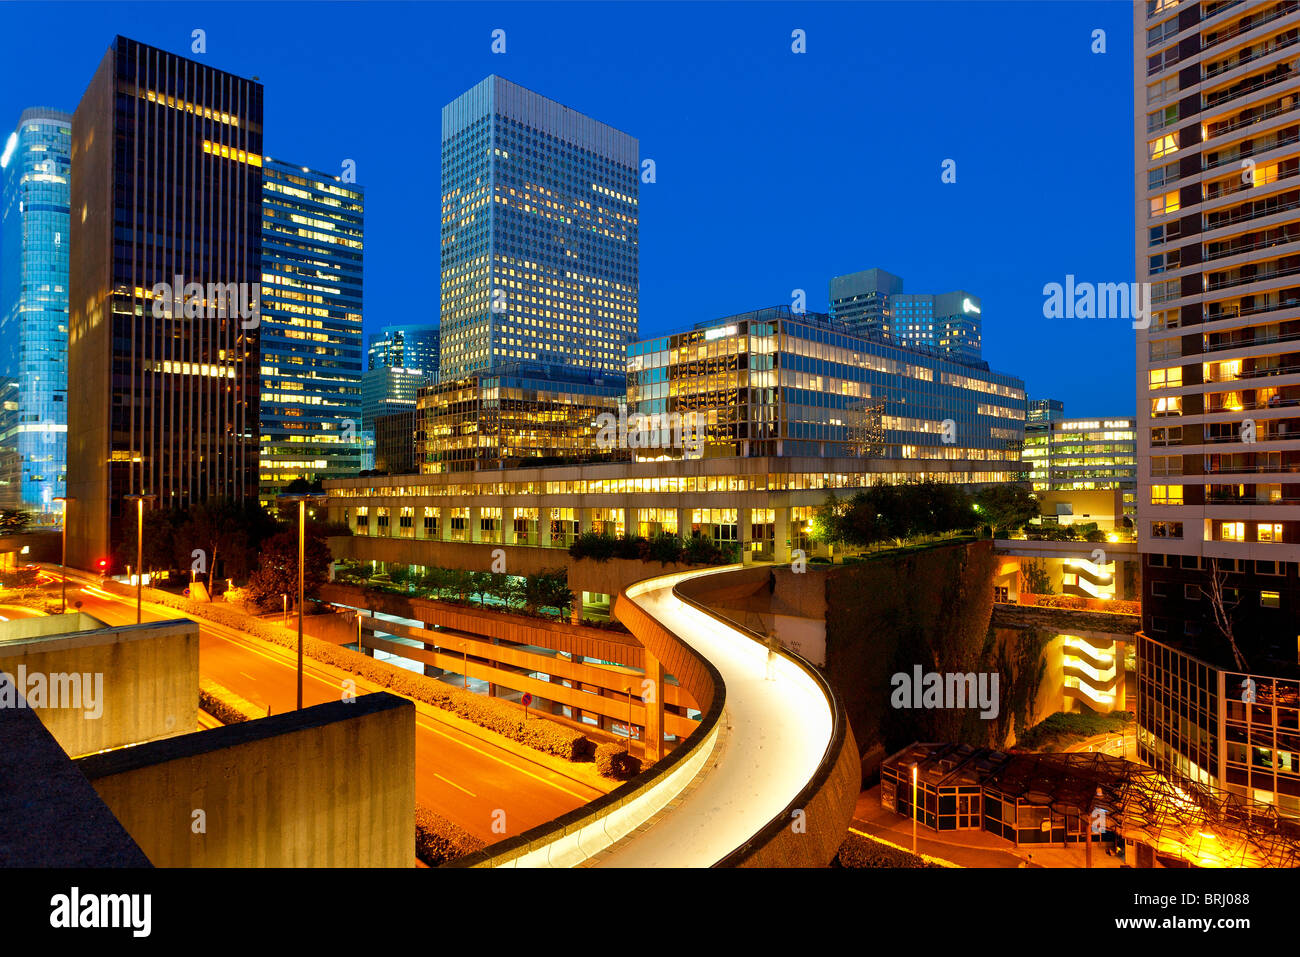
(494, 714)
(613, 761)
(438, 840)
(224, 705)
(859, 851)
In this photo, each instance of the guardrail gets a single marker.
(807, 831)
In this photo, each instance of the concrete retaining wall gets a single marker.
(327, 786)
(148, 676)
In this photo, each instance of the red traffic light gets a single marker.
(103, 563)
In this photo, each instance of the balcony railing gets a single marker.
(1219, 220)
(1285, 139)
(1213, 130)
(1281, 42)
(1260, 276)
(1246, 24)
(1281, 73)
(1231, 249)
(1237, 312)
(1236, 184)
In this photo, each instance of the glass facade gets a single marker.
(312, 250)
(164, 337)
(487, 421)
(773, 382)
(1082, 454)
(407, 347)
(35, 185)
(539, 238)
(872, 304)
(387, 390)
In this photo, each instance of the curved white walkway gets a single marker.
(778, 732)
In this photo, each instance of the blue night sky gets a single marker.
(775, 171)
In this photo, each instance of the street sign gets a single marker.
(527, 699)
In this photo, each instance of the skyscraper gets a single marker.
(539, 238)
(407, 347)
(872, 303)
(1218, 239)
(312, 226)
(1042, 411)
(164, 279)
(35, 181)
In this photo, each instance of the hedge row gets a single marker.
(224, 705)
(494, 714)
(859, 851)
(613, 761)
(438, 840)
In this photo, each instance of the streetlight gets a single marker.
(139, 550)
(302, 500)
(913, 808)
(63, 557)
(628, 689)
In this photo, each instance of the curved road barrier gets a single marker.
(769, 778)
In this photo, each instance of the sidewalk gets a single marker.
(967, 848)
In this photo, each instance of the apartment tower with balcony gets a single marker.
(1217, 158)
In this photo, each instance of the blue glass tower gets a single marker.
(35, 169)
(312, 225)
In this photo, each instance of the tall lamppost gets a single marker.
(63, 556)
(139, 550)
(628, 689)
(302, 500)
(913, 808)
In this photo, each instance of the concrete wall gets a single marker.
(148, 676)
(327, 786)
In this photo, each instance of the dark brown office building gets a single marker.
(395, 443)
(163, 358)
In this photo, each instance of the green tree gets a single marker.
(1006, 507)
(13, 520)
(277, 574)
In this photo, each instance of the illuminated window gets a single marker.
(1163, 146)
(1269, 532)
(1166, 378)
(1166, 495)
(1232, 531)
(1270, 599)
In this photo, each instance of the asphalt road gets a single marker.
(461, 776)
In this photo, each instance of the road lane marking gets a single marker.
(244, 642)
(248, 676)
(427, 723)
(454, 784)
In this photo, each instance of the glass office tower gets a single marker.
(539, 238)
(163, 362)
(775, 383)
(407, 347)
(35, 184)
(872, 303)
(311, 326)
